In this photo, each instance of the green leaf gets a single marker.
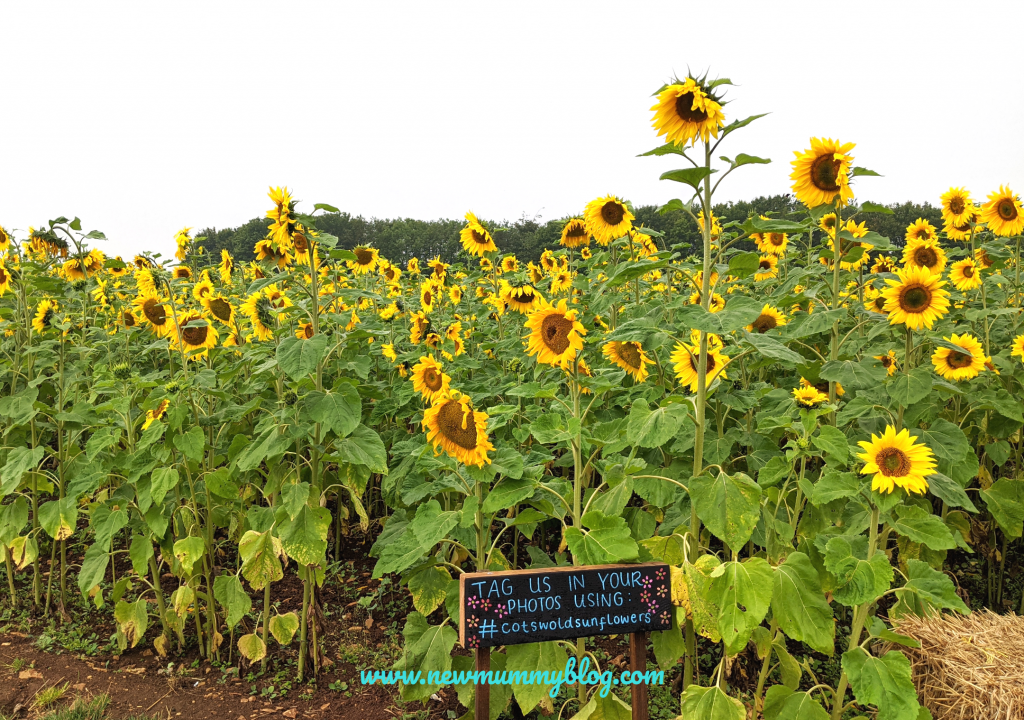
(219, 483)
(19, 461)
(669, 549)
(738, 313)
(999, 451)
(743, 593)
(59, 518)
(228, 591)
(950, 492)
(781, 703)
(772, 348)
(669, 645)
(508, 462)
(701, 703)
(652, 429)
(744, 264)
(298, 358)
(140, 551)
(853, 374)
(363, 446)
(192, 443)
(13, 517)
(270, 444)
(884, 682)
(338, 411)
(189, 551)
(132, 620)
(859, 171)
(551, 428)
(304, 538)
(252, 647)
(283, 627)
(834, 485)
(541, 657)
(428, 587)
(294, 497)
(934, 588)
(833, 441)
(101, 440)
(945, 439)
(427, 528)
(922, 527)
(688, 176)
(729, 505)
(857, 580)
(94, 567)
(506, 494)
(261, 564)
(908, 388)
(798, 603)
(162, 481)
(19, 408)
(1005, 501)
(870, 207)
(608, 540)
(744, 159)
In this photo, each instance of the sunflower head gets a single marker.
(964, 362)
(916, 299)
(574, 233)
(821, 174)
(769, 319)
(957, 206)
(556, 336)
(809, 396)
(687, 110)
(366, 260)
(454, 427)
(1003, 213)
(686, 361)
(766, 267)
(196, 334)
(428, 379)
(965, 275)
(920, 229)
(152, 309)
(608, 218)
(629, 356)
(476, 239)
(45, 311)
(925, 254)
(897, 460)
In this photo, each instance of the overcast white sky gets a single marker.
(142, 120)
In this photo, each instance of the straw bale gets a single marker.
(968, 666)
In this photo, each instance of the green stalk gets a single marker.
(837, 263)
(908, 364)
(266, 623)
(762, 676)
(154, 572)
(304, 629)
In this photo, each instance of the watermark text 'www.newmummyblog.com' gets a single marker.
(570, 676)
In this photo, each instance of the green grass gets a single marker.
(46, 698)
(81, 709)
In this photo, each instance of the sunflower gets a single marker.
(686, 111)
(427, 378)
(821, 174)
(957, 207)
(391, 273)
(300, 242)
(926, 254)
(586, 254)
(716, 227)
(536, 273)
(182, 272)
(960, 231)
(73, 269)
(884, 264)
(629, 356)
(955, 365)
(714, 341)
(982, 258)
(717, 301)
(574, 233)
(828, 224)
(521, 298)
(156, 413)
(366, 260)
(475, 238)
(225, 267)
(260, 312)
(220, 307)
(561, 280)
(509, 264)
(1003, 213)
(438, 269)
(5, 240)
(685, 359)
(896, 459)
(809, 396)
(769, 319)
(888, 362)
(203, 288)
(142, 262)
(766, 268)
(916, 299)
(151, 307)
(874, 301)
(698, 279)
(5, 278)
(429, 295)
(182, 240)
(388, 351)
(118, 272)
(1018, 347)
(822, 386)
(452, 425)
(555, 334)
(608, 218)
(196, 335)
(920, 229)
(964, 275)
(304, 331)
(45, 311)
(419, 323)
(772, 243)
(846, 246)
(129, 319)
(413, 266)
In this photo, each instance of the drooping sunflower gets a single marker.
(916, 299)
(261, 315)
(608, 218)
(73, 269)
(1003, 213)
(957, 206)
(304, 331)
(809, 396)
(964, 275)
(45, 311)
(366, 260)
(5, 240)
(196, 334)
(767, 267)
(536, 273)
(574, 233)
(957, 365)
(925, 254)
(822, 386)
(884, 264)
(453, 426)
(428, 380)
(717, 301)
(555, 334)
(419, 324)
(225, 267)
(686, 111)
(388, 351)
(182, 241)
(475, 237)
(716, 227)
(220, 307)
(156, 413)
(888, 362)
(897, 460)
(521, 298)
(560, 281)
(685, 361)
(413, 266)
(921, 229)
(769, 319)
(821, 174)
(629, 356)
(182, 272)
(962, 230)
(152, 308)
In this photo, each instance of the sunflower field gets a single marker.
(805, 419)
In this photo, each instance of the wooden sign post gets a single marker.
(561, 603)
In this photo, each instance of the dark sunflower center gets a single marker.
(957, 205)
(764, 323)
(926, 256)
(915, 298)
(526, 296)
(1007, 209)
(555, 332)
(886, 361)
(307, 331)
(3, 276)
(195, 335)
(686, 111)
(629, 352)
(923, 234)
(47, 317)
(822, 387)
(181, 273)
(129, 319)
(428, 297)
(765, 265)
(389, 275)
(576, 231)
(893, 462)
(450, 420)
(221, 309)
(830, 222)
(958, 360)
(300, 242)
(154, 311)
(879, 302)
(363, 256)
(612, 212)
(276, 300)
(478, 238)
(825, 173)
(968, 272)
(776, 239)
(432, 379)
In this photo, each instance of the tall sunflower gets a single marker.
(957, 206)
(225, 267)
(1018, 347)
(475, 237)
(888, 362)
(521, 298)
(924, 254)
(685, 360)
(391, 273)
(686, 111)
(769, 319)
(960, 230)
(574, 233)
(608, 218)
(809, 396)
(897, 460)
(182, 272)
(452, 425)
(428, 380)
(717, 303)
(45, 311)
(5, 240)
(560, 281)
(429, 295)
(366, 260)
(196, 334)
(509, 264)
(153, 310)
(884, 264)
(920, 229)
(964, 275)
(957, 365)
(555, 334)
(413, 266)
(767, 267)
(629, 356)
(821, 174)
(916, 299)
(258, 309)
(1003, 213)
(772, 243)
(203, 288)
(220, 307)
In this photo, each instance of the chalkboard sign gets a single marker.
(525, 606)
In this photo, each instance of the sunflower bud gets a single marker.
(79, 285)
(172, 387)
(122, 370)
